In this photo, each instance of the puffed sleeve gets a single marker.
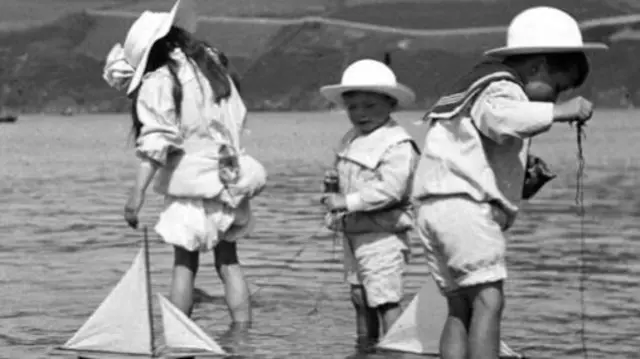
(160, 133)
(503, 110)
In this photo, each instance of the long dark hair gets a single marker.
(212, 62)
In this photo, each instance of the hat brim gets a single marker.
(404, 95)
(510, 51)
(183, 15)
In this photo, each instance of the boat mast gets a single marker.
(149, 301)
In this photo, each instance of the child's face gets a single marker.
(367, 110)
(546, 85)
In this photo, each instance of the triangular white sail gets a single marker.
(419, 327)
(121, 323)
(180, 332)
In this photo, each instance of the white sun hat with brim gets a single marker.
(541, 30)
(370, 76)
(126, 63)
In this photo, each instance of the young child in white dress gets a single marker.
(188, 116)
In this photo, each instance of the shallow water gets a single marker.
(63, 244)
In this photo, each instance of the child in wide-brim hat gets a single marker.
(187, 121)
(469, 180)
(374, 162)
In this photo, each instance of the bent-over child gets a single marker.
(469, 180)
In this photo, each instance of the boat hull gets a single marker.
(97, 354)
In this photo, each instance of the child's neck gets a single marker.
(361, 132)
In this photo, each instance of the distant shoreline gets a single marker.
(125, 113)
(282, 62)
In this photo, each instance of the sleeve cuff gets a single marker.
(354, 202)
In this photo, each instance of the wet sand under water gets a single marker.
(63, 244)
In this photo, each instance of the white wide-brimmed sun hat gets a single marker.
(544, 29)
(372, 76)
(125, 65)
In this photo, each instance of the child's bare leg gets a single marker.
(367, 322)
(484, 333)
(389, 312)
(236, 289)
(454, 337)
(185, 267)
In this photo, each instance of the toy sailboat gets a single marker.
(123, 327)
(418, 328)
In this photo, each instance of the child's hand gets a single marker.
(132, 208)
(334, 202)
(333, 221)
(576, 109)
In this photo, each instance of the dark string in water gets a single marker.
(579, 200)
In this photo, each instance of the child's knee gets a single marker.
(358, 296)
(225, 253)
(489, 297)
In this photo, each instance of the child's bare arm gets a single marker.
(146, 170)
(391, 184)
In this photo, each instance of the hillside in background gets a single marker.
(286, 50)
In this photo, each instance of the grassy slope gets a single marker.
(283, 65)
(459, 14)
(280, 8)
(16, 14)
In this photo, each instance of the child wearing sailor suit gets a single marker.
(374, 162)
(470, 178)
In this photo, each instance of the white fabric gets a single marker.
(199, 224)
(117, 70)
(251, 182)
(126, 63)
(419, 327)
(369, 75)
(180, 332)
(463, 240)
(376, 261)
(543, 29)
(121, 323)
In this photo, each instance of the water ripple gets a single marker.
(63, 243)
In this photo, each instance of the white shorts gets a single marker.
(377, 262)
(463, 241)
(199, 224)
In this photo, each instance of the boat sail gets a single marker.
(123, 327)
(418, 328)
